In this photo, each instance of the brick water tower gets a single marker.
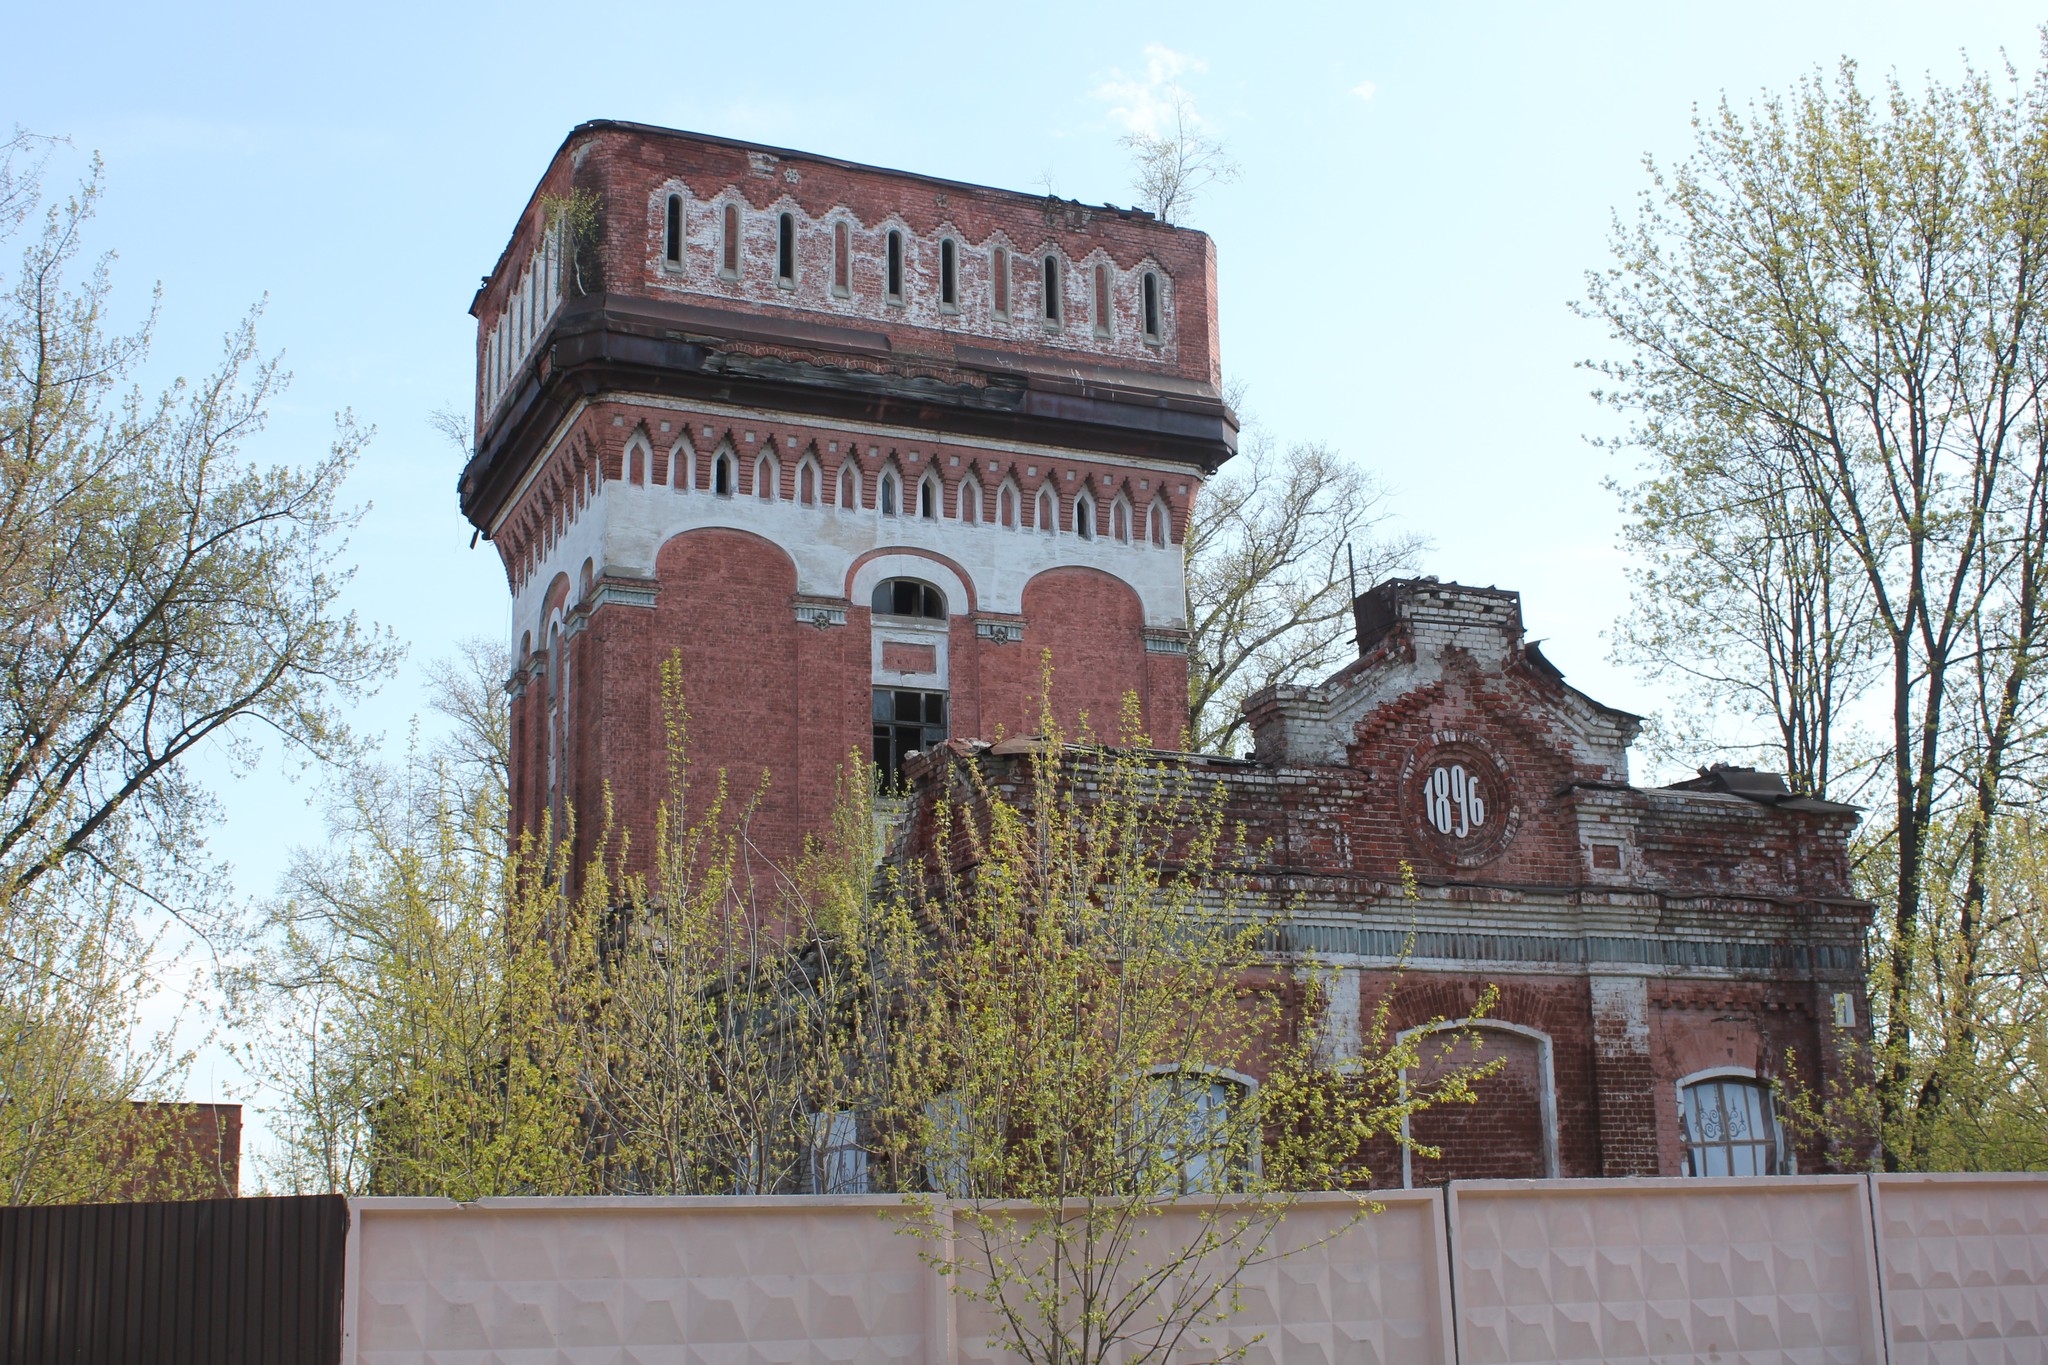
(857, 446)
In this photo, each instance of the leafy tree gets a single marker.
(1097, 984)
(1832, 346)
(157, 589)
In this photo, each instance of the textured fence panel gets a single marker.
(1332, 1288)
(1964, 1261)
(635, 1279)
(209, 1282)
(1742, 1270)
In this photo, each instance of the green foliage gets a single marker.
(1021, 1034)
(1096, 970)
(1834, 355)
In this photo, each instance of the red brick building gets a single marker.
(860, 445)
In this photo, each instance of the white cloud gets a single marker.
(1365, 90)
(1146, 104)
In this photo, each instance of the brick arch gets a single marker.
(1093, 624)
(724, 610)
(961, 604)
(1511, 1132)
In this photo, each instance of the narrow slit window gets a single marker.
(849, 486)
(999, 271)
(729, 258)
(1120, 522)
(842, 260)
(1102, 318)
(807, 484)
(721, 476)
(785, 251)
(1159, 524)
(766, 476)
(1052, 289)
(1151, 306)
(1006, 507)
(928, 499)
(672, 235)
(896, 266)
(949, 274)
(1048, 512)
(1084, 517)
(887, 494)
(970, 501)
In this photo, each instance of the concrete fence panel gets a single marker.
(1331, 1288)
(1640, 1270)
(1803, 1269)
(635, 1280)
(1963, 1261)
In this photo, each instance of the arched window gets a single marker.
(1161, 526)
(1048, 511)
(672, 232)
(970, 500)
(807, 482)
(1729, 1126)
(999, 277)
(1052, 289)
(885, 496)
(785, 250)
(1102, 318)
(1197, 1129)
(729, 245)
(723, 480)
(1151, 303)
(767, 478)
(682, 466)
(1084, 515)
(849, 485)
(928, 496)
(842, 260)
(1006, 505)
(949, 275)
(895, 266)
(908, 597)
(636, 463)
(1120, 520)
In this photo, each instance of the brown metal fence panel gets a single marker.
(212, 1280)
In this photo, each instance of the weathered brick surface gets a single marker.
(1713, 937)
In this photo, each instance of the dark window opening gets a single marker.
(908, 597)
(721, 476)
(895, 265)
(1151, 306)
(949, 274)
(906, 723)
(785, 249)
(730, 260)
(672, 247)
(928, 500)
(888, 494)
(1084, 519)
(1052, 289)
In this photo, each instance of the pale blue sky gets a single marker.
(1423, 190)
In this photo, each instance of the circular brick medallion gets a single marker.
(1459, 798)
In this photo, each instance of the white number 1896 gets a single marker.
(1452, 798)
